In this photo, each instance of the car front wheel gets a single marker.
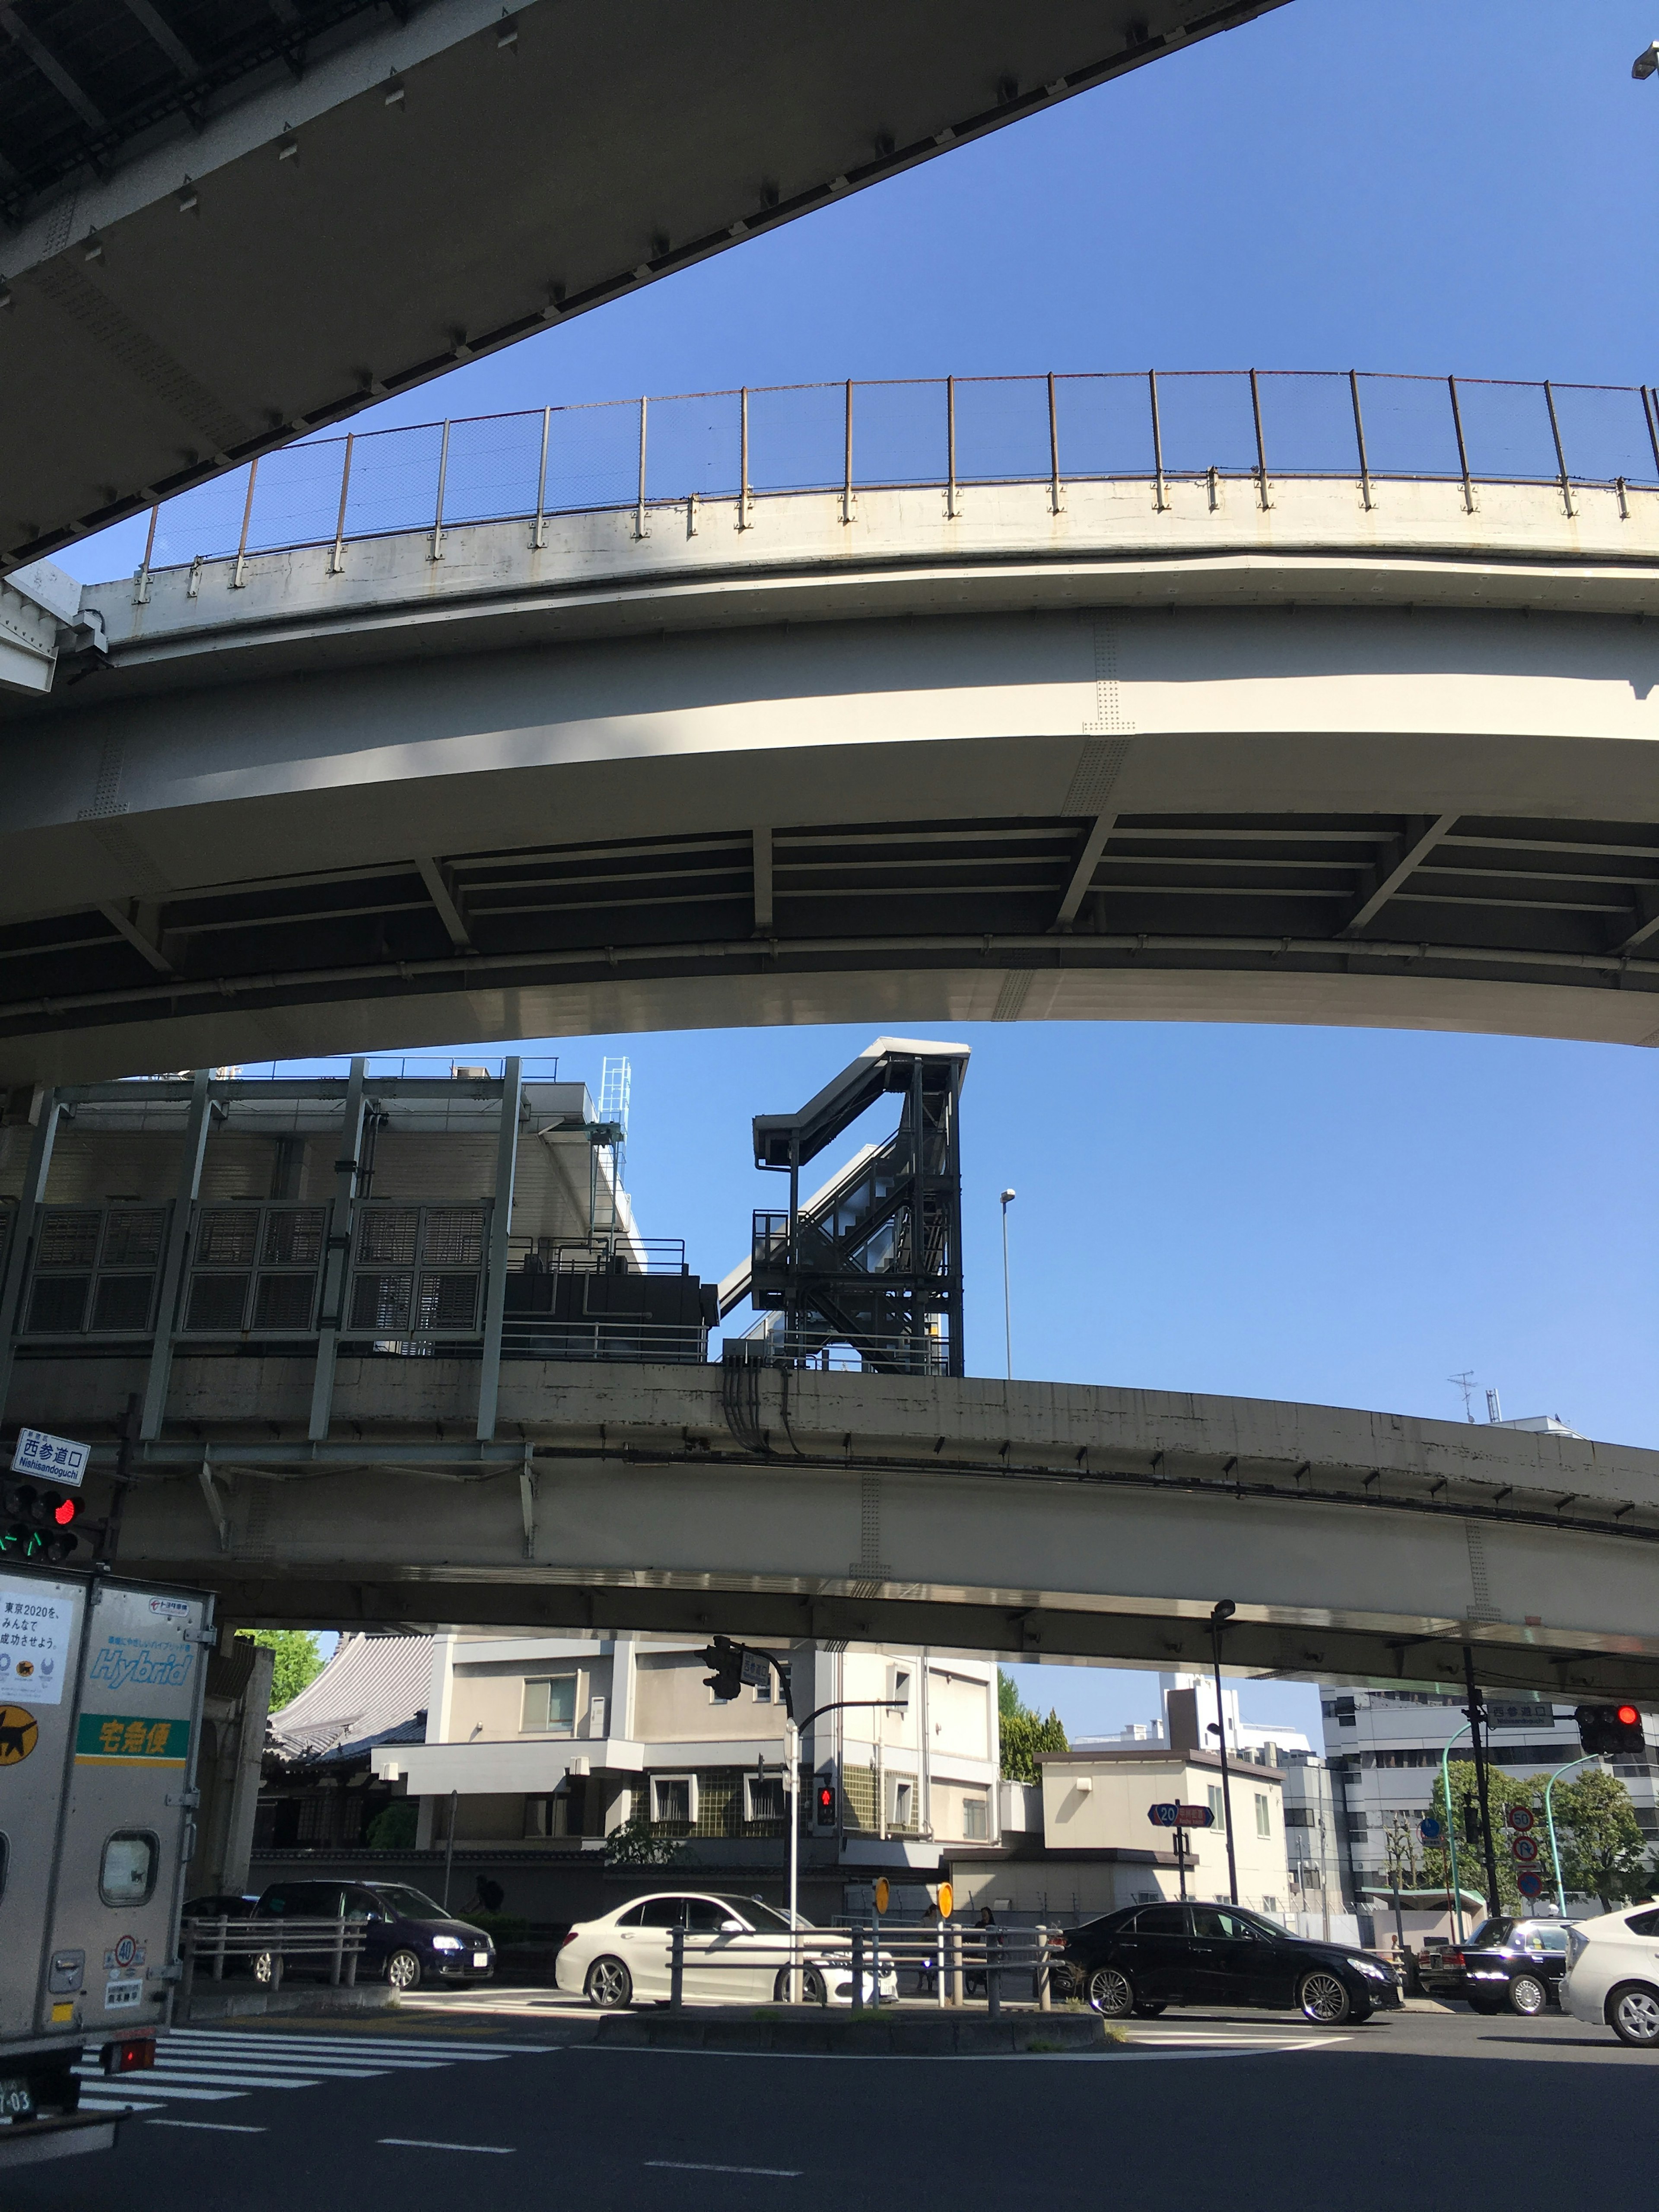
(610, 1986)
(1634, 2013)
(1111, 1993)
(1528, 1996)
(813, 1990)
(403, 1971)
(1324, 1999)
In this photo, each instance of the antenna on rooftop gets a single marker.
(1465, 1383)
(1494, 1410)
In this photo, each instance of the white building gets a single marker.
(1245, 1739)
(1384, 1748)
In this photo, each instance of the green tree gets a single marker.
(636, 1844)
(393, 1827)
(1024, 1737)
(1603, 1851)
(297, 1661)
(1502, 1790)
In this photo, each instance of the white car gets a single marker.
(737, 1952)
(1612, 1973)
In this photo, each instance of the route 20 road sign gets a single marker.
(1181, 1816)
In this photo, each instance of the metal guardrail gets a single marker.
(952, 1966)
(748, 444)
(215, 1944)
(760, 1347)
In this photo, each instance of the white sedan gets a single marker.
(1612, 1973)
(737, 1952)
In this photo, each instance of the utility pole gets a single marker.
(1008, 1198)
(1220, 1614)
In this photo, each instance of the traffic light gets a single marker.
(38, 1524)
(725, 1657)
(1614, 1731)
(826, 1799)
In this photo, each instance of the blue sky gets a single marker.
(1349, 1217)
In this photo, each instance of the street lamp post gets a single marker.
(1008, 1197)
(1589, 1758)
(1220, 1614)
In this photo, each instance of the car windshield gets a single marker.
(1493, 1934)
(412, 1904)
(763, 1917)
(1257, 1926)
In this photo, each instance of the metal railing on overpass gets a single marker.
(752, 443)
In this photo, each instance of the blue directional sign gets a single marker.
(1163, 1816)
(1430, 1830)
(1181, 1816)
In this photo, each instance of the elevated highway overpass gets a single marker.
(916, 704)
(1033, 1520)
(229, 221)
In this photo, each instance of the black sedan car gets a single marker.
(407, 1939)
(1514, 1965)
(1150, 1956)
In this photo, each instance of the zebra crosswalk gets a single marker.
(199, 2067)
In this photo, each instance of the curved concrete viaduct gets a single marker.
(214, 241)
(1026, 1518)
(1362, 754)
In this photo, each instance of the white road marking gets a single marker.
(691, 2166)
(211, 2077)
(211, 2127)
(178, 2089)
(415, 2142)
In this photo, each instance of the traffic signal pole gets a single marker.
(726, 1659)
(1591, 1758)
(1477, 1744)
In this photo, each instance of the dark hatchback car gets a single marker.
(1513, 1966)
(407, 1939)
(1150, 1956)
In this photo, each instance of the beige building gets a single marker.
(557, 1744)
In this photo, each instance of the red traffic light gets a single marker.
(1628, 1715)
(65, 1511)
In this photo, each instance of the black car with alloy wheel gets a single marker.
(1137, 1961)
(407, 1939)
(1506, 1965)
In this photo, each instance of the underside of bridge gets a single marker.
(1033, 1520)
(1202, 762)
(234, 219)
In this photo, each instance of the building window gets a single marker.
(550, 1706)
(976, 1820)
(898, 1684)
(674, 1799)
(1218, 1807)
(763, 1690)
(547, 1816)
(1264, 1826)
(902, 1810)
(763, 1797)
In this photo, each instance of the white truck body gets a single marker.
(101, 1704)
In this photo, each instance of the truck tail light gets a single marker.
(135, 2056)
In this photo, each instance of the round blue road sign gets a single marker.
(1529, 1884)
(1430, 1830)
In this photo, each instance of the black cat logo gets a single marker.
(18, 1730)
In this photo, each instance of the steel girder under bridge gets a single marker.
(1153, 750)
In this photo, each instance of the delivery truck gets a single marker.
(100, 1710)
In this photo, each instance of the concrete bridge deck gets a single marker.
(1030, 1519)
(1376, 753)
